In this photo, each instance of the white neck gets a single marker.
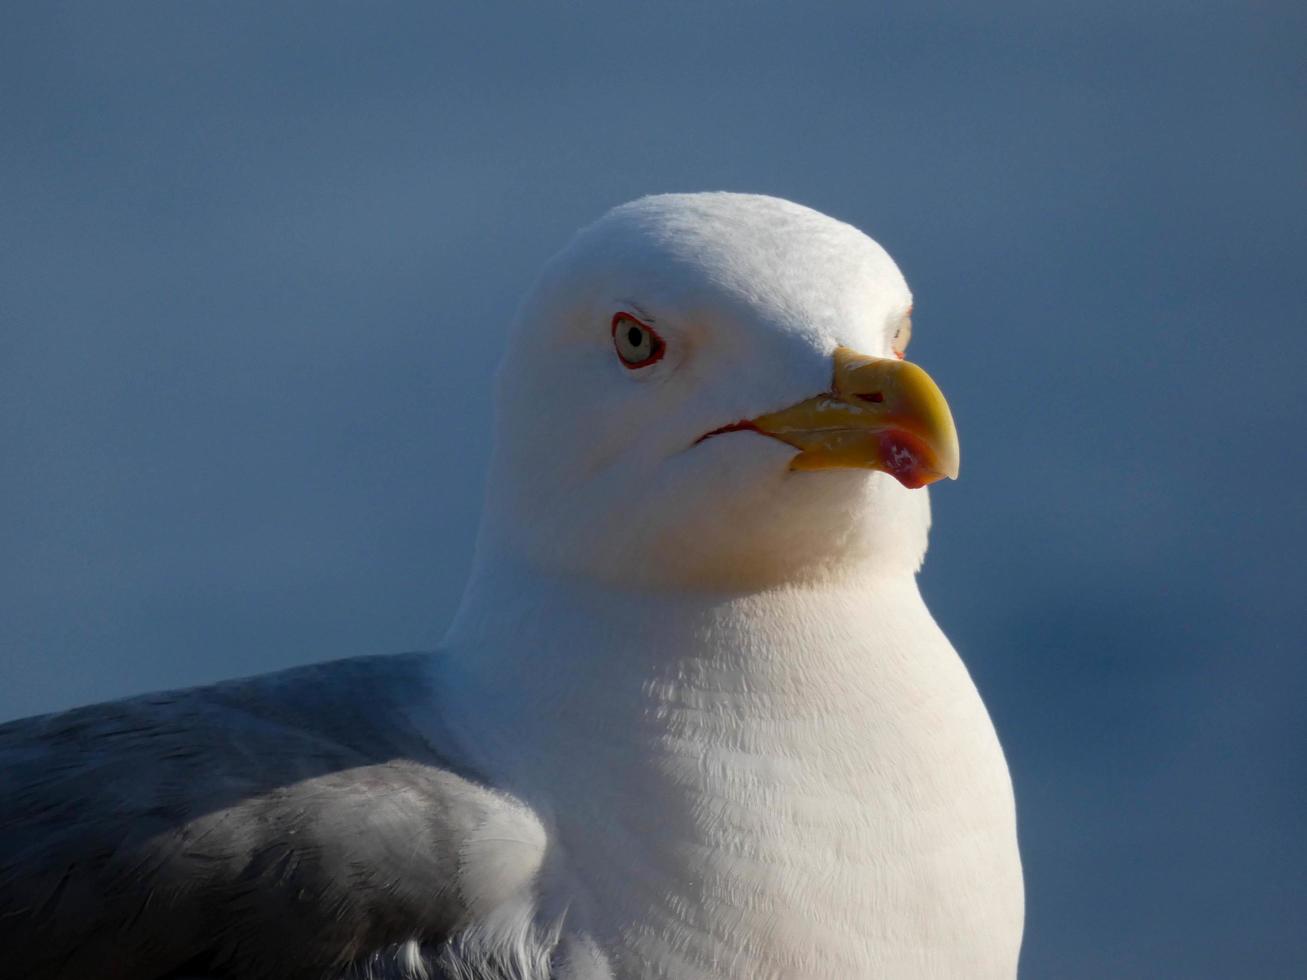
(800, 782)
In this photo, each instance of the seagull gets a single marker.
(692, 718)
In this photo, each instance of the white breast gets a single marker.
(796, 784)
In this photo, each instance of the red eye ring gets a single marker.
(630, 346)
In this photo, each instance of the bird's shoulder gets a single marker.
(283, 825)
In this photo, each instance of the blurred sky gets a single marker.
(256, 261)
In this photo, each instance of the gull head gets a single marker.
(710, 390)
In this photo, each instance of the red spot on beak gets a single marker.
(903, 456)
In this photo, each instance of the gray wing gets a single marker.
(286, 826)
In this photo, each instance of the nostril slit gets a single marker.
(874, 396)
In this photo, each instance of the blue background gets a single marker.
(256, 262)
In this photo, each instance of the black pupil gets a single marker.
(634, 336)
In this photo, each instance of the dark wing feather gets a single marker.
(279, 827)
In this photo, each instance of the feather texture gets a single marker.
(279, 827)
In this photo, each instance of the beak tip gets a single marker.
(880, 414)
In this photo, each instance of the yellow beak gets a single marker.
(881, 414)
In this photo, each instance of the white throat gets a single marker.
(795, 783)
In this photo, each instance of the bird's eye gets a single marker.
(637, 344)
(899, 342)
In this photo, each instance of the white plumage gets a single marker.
(693, 719)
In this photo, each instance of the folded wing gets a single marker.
(288, 826)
